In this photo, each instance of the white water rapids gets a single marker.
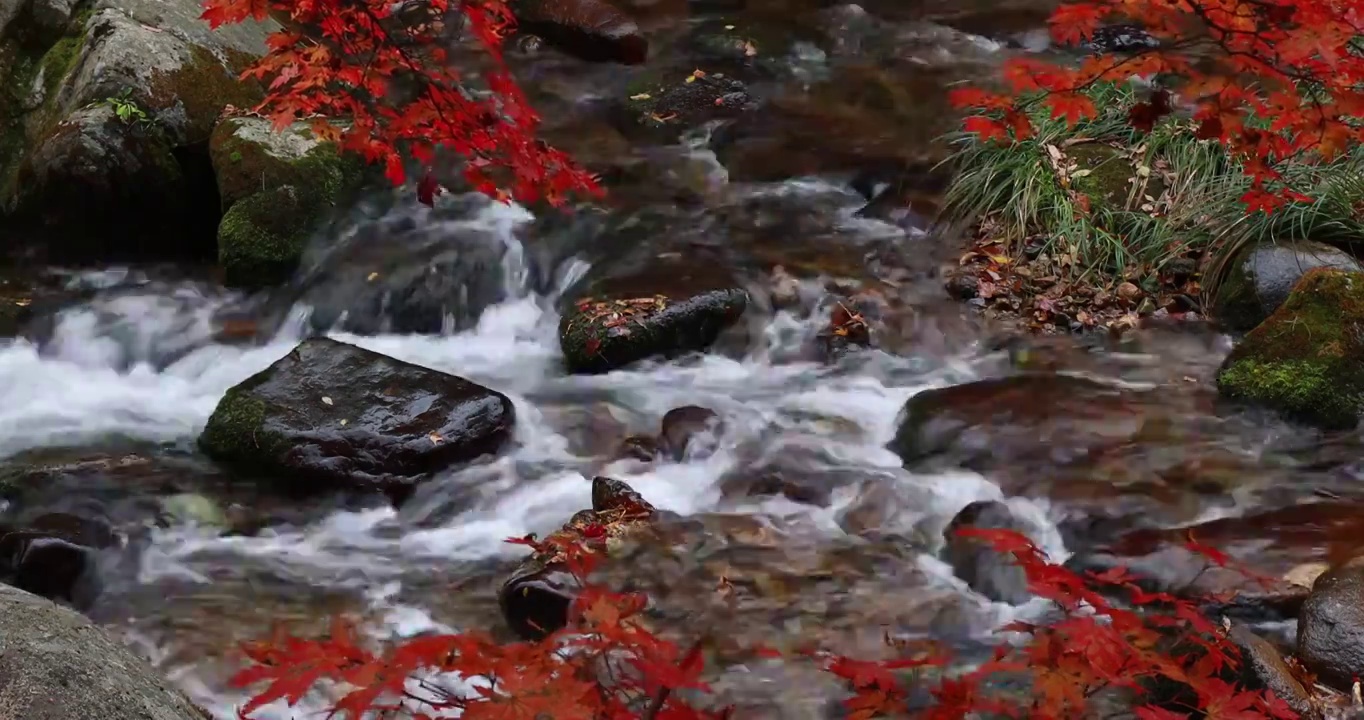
(98, 376)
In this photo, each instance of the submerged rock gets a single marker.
(665, 310)
(58, 665)
(1305, 361)
(988, 571)
(992, 422)
(275, 188)
(1261, 277)
(688, 431)
(337, 415)
(662, 106)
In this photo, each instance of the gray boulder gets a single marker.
(57, 665)
(112, 89)
(1262, 276)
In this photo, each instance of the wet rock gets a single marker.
(1121, 39)
(637, 447)
(988, 571)
(335, 415)
(1260, 277)
(50, 567)
(689, 432)
(669, 309)
(1270, 551)
(1264, 668)
(58, 665)
(404, 273)
(660, 107)
(536, 599)
(848, 328)
(1304, 361)
(1331, 626)
(121, 171)
(121, 101)
(861, 116)
(993, 422)
(275, 188)
(592, 30)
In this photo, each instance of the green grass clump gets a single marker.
(1152, 196)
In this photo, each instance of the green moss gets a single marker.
(18, 122)
(203, 86)
(1307, 359)
(236, 429)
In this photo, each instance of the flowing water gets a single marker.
(139, 365)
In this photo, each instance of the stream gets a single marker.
(116, 388)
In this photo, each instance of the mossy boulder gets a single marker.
(337, 416)
(1260, 277)
(667, 309)
(275, 188)
(1306, 360)
(159, 60)
(125, 177)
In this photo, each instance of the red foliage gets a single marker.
(1295, 63)
(607, 664)
(374, 76)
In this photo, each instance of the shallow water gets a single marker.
(145, 360)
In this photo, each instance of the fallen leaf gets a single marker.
(372, 277)
(344, 421)
(326, 400)
(641, 96)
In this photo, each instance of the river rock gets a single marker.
(688, 431)
(990, 422)
(988, 571)
(275, 187)
(57, 665)
(592, 30)
(663, 105)
(1260, 277)
(667, 309)
(1263, 668)
(1331, 625)
(336, 415)
(119, 103)
(404, 273)
(1305, 361)
(536, 598)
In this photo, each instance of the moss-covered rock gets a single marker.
(337, 415)
(62, 60)
(1306, 360)
(275, 188)
(1260, 277)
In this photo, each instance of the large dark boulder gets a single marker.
(338, 415)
